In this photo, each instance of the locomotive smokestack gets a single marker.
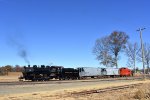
(28, 65)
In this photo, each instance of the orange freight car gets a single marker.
(125, 72)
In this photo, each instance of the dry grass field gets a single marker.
(12, 76)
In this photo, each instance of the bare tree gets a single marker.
(146, 56)
(107, 48)
(17, 68)
(102, 52)
(131, 52)
(117, 43)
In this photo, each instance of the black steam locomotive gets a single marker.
(45, 73)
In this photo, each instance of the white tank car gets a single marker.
(89, 72)
(110, 71)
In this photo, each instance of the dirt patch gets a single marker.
(8, 78)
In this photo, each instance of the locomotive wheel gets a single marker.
(59, 78)
(92, 76)
(33, 80)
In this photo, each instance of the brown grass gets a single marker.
(14, 73)
(137, 93)
(12, 76)
(143, 92)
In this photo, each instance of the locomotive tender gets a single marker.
(45, 73)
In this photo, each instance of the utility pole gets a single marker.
(142, 50)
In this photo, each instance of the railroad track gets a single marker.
(30, 83)
(66, 81)
(106, 89)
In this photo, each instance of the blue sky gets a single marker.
(63, 32)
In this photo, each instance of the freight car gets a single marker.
(110, 72)
(89, 72)
(125, 72)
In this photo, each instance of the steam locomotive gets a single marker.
(45, 73)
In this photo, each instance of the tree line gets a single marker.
(107, 50)
(8, 68)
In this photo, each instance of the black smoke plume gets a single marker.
(21, 49)
(23, 53)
